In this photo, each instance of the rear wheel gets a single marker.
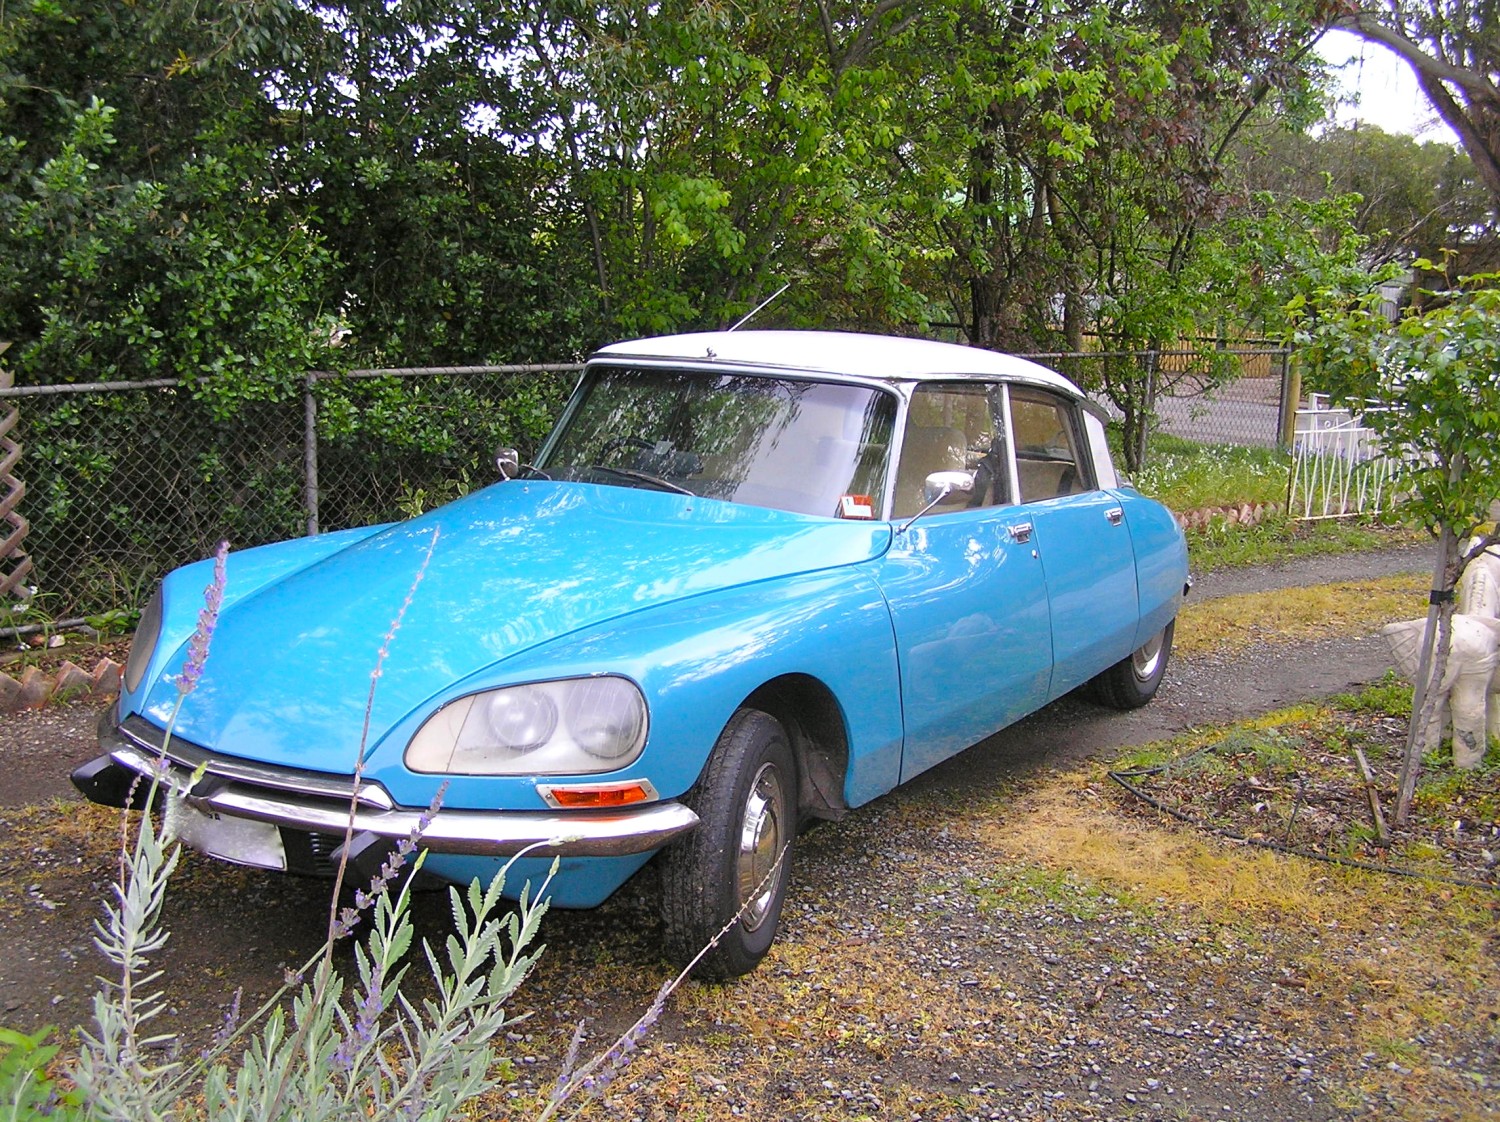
(1134, 680)
(730, 874)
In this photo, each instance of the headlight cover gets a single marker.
(573, 726)
(143, 644)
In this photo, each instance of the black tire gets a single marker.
(1134, 680)
(746, 800)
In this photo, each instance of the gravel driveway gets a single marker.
(927, 972)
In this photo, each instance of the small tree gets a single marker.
(1434, 375)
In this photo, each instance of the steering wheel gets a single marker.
(619, 442)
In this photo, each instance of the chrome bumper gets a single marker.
(320, 804)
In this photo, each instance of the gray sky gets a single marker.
(1386, 93)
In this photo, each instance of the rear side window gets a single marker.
(1049, 459)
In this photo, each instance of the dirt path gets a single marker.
(864, 898)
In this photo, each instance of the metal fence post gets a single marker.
(14, 564)
(1291, 396)
(310, 451)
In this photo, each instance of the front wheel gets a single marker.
(1134, 680)
(727, 878)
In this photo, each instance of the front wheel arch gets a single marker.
(816, 729)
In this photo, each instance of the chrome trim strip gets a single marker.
(146, 737)
(485, 833)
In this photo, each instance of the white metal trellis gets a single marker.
(1339, 468)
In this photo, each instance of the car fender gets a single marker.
(696, 661)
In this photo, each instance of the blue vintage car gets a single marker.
(752, 578)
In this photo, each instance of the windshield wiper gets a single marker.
(643, 477)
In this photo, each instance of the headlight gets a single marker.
(143, 644)
(569, 727)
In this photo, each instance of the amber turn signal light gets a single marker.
(597, 796)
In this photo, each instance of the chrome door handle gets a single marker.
(1021, 532)
(1115, 515)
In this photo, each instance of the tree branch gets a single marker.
(1484, 158)
(1369, 26)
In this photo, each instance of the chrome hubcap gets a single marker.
(761, 839)
(1146, 659)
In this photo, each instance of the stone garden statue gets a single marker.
(1470, 689)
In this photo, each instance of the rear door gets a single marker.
(1080, 536)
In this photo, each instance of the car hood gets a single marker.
(425, 604)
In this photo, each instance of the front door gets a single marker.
(972, 632)
(964, 581)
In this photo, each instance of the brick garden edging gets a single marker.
(71, 682)
(1245, 514)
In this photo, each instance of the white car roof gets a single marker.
(885, 357)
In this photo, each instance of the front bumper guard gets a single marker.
(281, 798)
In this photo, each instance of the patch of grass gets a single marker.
(1408, 955)
(1189, 476)
(1226, 885)
(1391, 697)
(1290, 779)
(1232, 623)
(1278, 754)
(1180, 751)
(1025, 888)
(1391, 1050)
(1473, 794)
(1186, 475)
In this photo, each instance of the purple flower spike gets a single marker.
(227, 1027)
(208, 618)
(365, 898)
(366, 1022)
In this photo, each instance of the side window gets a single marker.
(953, 427)
(1048, 460)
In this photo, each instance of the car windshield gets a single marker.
(808, 447)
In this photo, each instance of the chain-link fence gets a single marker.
(126, 480)
(1212, 395)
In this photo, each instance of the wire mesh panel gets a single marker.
(124, 485)
(1222, 397)
(1213, 395)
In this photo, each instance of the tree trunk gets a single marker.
(1430, 670)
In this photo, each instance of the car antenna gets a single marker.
(755, 310)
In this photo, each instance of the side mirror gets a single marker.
(941, 484)
(508, 460)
